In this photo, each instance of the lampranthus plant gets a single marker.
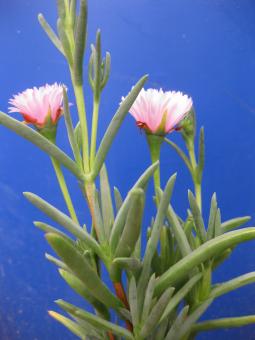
(167, 287)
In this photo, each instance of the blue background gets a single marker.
(202, 47)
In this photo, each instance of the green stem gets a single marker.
(64, 189)
(154, 143)
(94, 131)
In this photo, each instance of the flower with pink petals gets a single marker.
(39, 106)
(159, 112)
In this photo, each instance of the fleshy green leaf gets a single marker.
(122, 213)
(95, 320)
(211, 222)
(81, 289)
(70, 130)
(80, 42)
(201, 254)
(118, 199)
(132, 299)
(156, 313)
(50, 33)
(178, 232)
(42, 143)
(82, 269)
(233, 284)
(179, 296)
(115, 125)
(106, 201)
(65, 41)
(234, 223)
(128, 263)
(131, 231)
(198, 220)
(148, 298)
(68, 323)
(177, 324)
(56, 261)
(223, 323)
(153, 240)
(64, 221)
(180, 153)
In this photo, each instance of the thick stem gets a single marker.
(94, 131)
(64, 189)
(121, 294)
(155, 142)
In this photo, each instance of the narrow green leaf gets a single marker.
(191, 319)
(180, 153)
(131, 231)
(77, 134)
(70, 130)
(107, 67)
(48, 228)
(41, 142)
(148, 298)
(118, 199)
(50, 33)
(153, 241)
(64, 221)
(128, 263)
(233, 284)
(65, 42)
(82, 269)
(95, 320)
(132, 299)
(223, 323)
(80, 42)
(218, 230)
(178, 232)
(122, 213)
(198, 220)
(201, 156)
(179, 296)
(218, 260)
(73, 5)
(156, 313)
(211, 222)
(71, 325)
(166, 248)
(61, 8)
(234, 223)
(106, 201)
(201, 254)
(115, 125)
(98, 219)
(56, 261)
(177, 324)
(78, 286)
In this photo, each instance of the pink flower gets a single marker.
(159, 112)
(39, 106)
